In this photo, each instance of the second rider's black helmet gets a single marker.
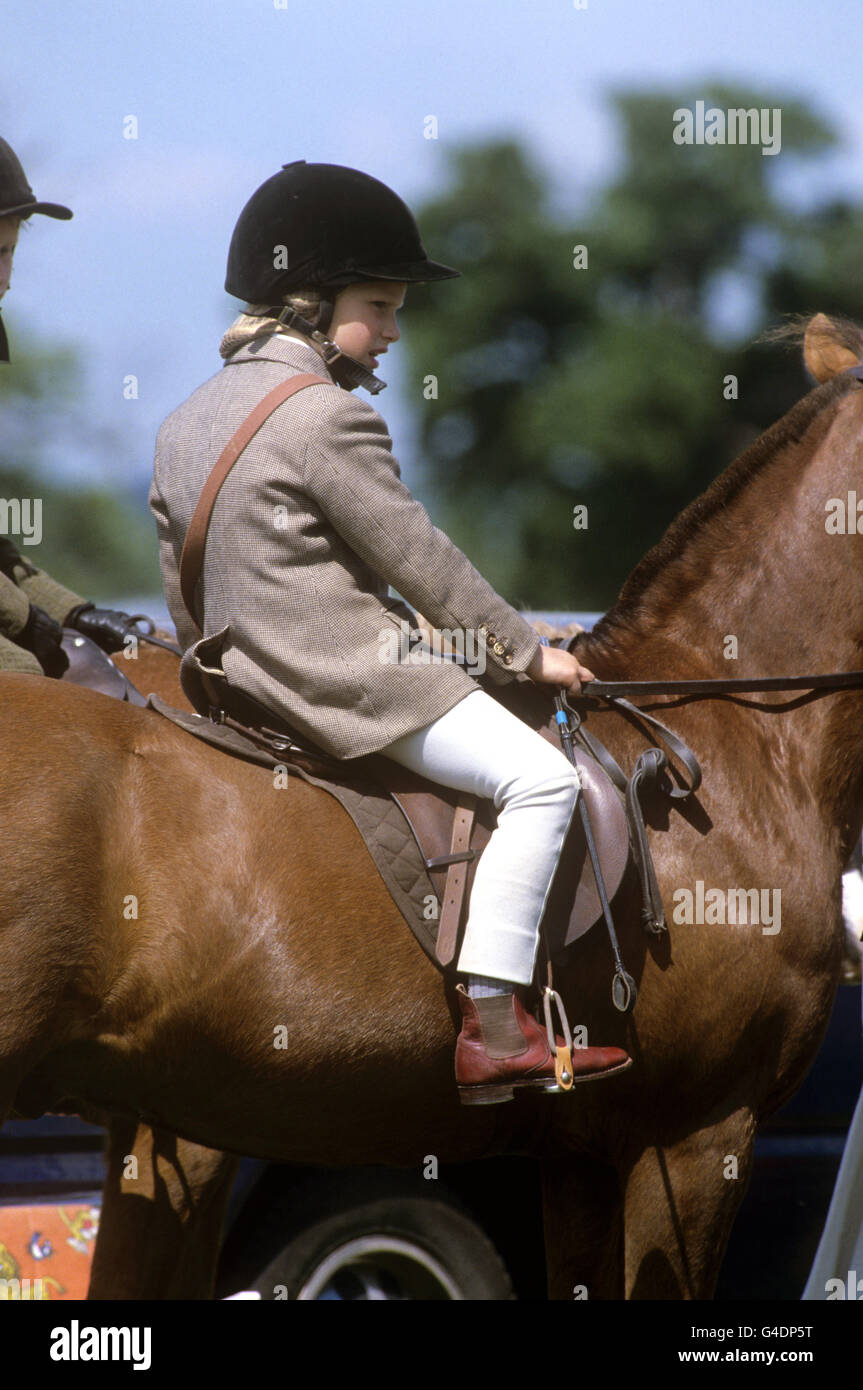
(327, 225)
(17, 199)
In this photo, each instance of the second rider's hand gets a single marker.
(554, 666)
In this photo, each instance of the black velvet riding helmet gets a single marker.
(324, 224)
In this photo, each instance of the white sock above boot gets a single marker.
(484, 987)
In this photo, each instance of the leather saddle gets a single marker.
(449, 829)
(89, 665)
(448, 823)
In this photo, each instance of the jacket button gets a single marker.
(498, 649)
(508, 658)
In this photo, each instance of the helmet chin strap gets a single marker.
(347, 371)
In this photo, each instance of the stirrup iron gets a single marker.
(563, 1055)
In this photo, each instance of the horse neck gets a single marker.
(758, 587)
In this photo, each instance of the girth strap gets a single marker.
(648, 767)
(456, 879)
(192, 558)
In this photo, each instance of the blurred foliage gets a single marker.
(96, 541)
(604, 386)
(558, 386)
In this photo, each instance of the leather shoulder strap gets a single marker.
(192, 557)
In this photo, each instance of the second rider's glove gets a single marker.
(106, 626)
(42, 636)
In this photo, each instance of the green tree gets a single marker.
(605, 386)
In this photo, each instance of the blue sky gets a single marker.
(226, 91)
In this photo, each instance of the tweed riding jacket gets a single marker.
(308, 531)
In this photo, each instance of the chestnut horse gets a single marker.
(167, 915)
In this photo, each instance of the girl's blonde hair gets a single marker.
(253, 324)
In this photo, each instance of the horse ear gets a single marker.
(824, 351)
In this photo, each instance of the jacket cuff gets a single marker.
(511, 654)
(46, 593)
(14, 608)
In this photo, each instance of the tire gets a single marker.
(393, 1247)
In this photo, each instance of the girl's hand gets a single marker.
(554, 666)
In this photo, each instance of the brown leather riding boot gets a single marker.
(501, 1046)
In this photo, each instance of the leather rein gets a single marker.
(614, 691)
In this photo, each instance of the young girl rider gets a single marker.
(306, 535)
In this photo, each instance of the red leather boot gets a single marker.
(490, 1064)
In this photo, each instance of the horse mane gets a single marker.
(732, 480)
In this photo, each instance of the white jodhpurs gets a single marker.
(479, 747)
